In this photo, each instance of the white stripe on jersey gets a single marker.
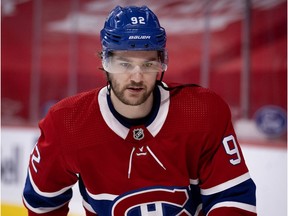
(159, 121)
(239, 205)
(226, 185)
(199, 208)
(108, 117)
(47, 194)
(103, 196)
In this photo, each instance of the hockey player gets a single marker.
(139, 146)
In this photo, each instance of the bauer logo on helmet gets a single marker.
(144, 37)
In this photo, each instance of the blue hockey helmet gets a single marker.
(132, 28)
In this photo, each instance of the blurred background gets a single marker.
(237, 48)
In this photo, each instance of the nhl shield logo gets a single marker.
(138, 134)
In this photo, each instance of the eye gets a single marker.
(125, 64)
(148, 64)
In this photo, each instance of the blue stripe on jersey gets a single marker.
(105, 205)
(82, 189)
(36, 200)
(241, 193)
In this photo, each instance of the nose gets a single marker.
(136, 74)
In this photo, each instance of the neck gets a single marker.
(129, 111)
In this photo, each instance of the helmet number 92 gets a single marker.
(138, 20)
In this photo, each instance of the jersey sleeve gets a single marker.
(225, 183)
(50, 176)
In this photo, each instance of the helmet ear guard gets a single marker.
(163, 55)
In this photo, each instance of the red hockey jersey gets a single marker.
(183, 160)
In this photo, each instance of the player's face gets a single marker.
(135, 75)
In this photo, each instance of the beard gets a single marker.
(128, 98)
